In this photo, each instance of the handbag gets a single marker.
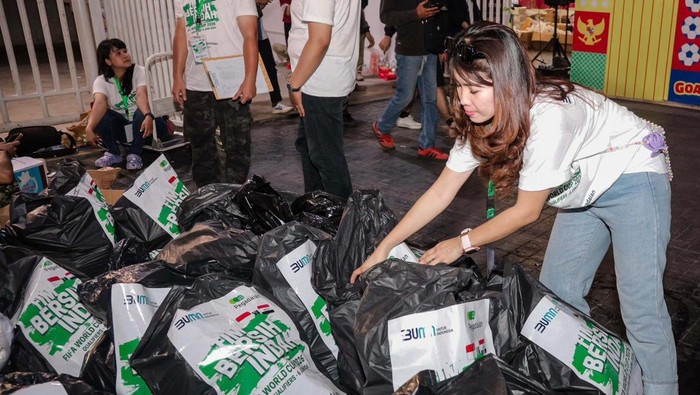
(43, 142)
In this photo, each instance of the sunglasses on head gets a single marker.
(465, 52)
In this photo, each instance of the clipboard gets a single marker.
(226, 74)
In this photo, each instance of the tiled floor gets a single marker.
(402, 177)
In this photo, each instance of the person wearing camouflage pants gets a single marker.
(206, 30)
(203, 113)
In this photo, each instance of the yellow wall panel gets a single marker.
(640, 48)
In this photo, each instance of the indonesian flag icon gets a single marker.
(265, 309)
(172, 179)
(67, 276)
(482, 347)
(471, 352)
(245, 318)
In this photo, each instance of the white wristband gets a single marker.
(467, 246)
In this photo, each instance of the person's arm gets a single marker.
(433, 202)
(526, 210)
(7, 175)
(248, 25)
(391, 12)
(98, 110)
(311, 57)
(179, 58)
(142, 104)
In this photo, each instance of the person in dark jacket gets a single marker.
(414, 65)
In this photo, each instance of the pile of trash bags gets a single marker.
(241, 289)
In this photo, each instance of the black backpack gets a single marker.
(42, 142)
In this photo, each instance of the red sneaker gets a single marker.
(434, 153)
(385, 139)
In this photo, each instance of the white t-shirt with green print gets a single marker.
(114, 98)
(217, 34)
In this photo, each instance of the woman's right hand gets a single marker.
(379, 255)
(92, 137)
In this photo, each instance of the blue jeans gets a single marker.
(635, 215)
(111, 131)
(411, 70)
(320, 143)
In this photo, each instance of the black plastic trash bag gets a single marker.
(130, 297)
(409, 309)
(213, 202)
(148, 210)
(365, 222)
(487, 376)
(209, 247)
(319, 209)
(225, 336)
(561, 347)
(45, 384)
(283, 268)
(128, 252)
(6, 336)
(63, 228)
(96, 294)
(265, 208)
(54, 331)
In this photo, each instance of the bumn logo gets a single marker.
(546, 319)
(192, 317)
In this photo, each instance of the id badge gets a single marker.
(200, 51)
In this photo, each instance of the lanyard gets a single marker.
(125, 99)
(198, 5)
(490, 213)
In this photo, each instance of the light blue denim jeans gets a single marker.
(635, 215)
(411, 70)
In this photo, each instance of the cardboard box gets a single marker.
(30, 174)
(105, 177)
(112, 195)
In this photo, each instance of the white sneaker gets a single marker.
(408, 123)
(281, 108)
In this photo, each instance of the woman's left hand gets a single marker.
(446, 251)
(147, 127)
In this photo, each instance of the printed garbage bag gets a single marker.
(209, 247)
(365, 221)
(488, 375)
(39, 383)
(319, 209)
(565, 349)
(212, 202)
(96, 294)
(64, 228)
(132, 308)
(265, 208)
(410, 319)
(224, 336)
(283, 268)
(148, 210)
(55, 332)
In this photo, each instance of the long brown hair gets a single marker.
(490, 54)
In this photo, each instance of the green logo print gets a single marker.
(239, 359)
(168, 212)
(318, 309)
(597, 357)
(236, 299)
(134, 384)
(55, 316)
(208, 14)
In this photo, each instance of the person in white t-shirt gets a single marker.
(208, 29)
(120, 112)
(566, 146)
(323, 49)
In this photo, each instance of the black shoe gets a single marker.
(348, 120)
